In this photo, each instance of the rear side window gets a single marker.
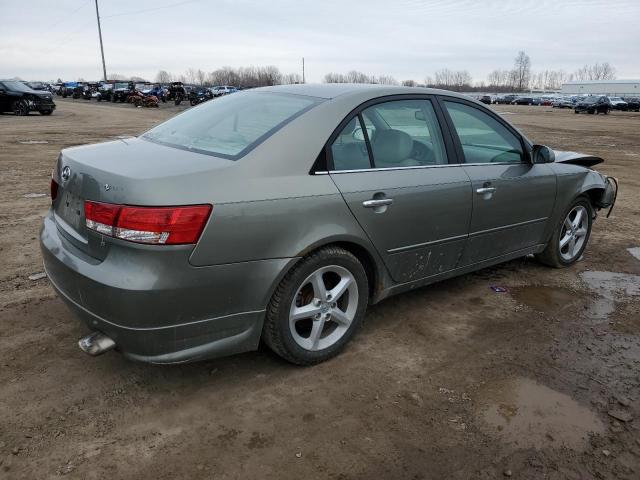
(483, 138)
(404, 133)
(349, 149)
(231, 126)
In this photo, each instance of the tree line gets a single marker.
(519, 78)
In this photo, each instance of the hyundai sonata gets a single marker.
(279, 214)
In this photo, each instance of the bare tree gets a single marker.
(598, 71)
(291, 78)
(451, 80)
(522, 70)
(385, 80)
(163, 77)
(409, 83)
(200, 77)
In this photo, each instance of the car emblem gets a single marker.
(107, 187)
(66, 173)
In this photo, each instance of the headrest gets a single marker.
(391, 147)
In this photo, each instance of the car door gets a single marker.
(390, 161)
(512, 198)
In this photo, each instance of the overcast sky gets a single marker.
(408, 39)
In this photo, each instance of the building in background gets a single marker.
(617, 88)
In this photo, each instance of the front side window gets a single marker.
(231, 126)
(484, 139)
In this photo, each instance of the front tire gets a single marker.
(318, 307)
(46, 112)
(20, 108)
(570, 237)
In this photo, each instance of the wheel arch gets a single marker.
(374, 268)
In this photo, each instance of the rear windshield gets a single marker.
(231, 126)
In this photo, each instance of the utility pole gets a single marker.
(302, 69)
(104, 67)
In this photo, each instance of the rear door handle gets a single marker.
(485, 190)
(377, 203)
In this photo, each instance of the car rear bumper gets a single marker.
(155, 305)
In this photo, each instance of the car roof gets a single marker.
(333, 90)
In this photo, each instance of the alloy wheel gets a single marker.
(573, 233)
(323, 308)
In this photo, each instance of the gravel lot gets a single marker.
(450, 381)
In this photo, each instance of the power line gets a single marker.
(68, 16)
(136, 12)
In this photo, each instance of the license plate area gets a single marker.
(70, 209)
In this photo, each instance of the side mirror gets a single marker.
(542, 154)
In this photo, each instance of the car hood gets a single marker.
(576, 158)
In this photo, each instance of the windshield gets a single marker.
(231, 126)
(121, 85)
(16, 86)
(590, 100)
(616, 99)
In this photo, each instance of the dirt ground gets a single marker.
(452, 381)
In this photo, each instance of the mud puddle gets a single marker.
(531, 415)
(550, 300)
(609, 288)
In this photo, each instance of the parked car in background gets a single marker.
(562, 103)
(547, 101)
(594, 105)
(38, 86)
(633, 104)
(222, 90)
(271, 215)
(523, 101)
(158, 92)
(19, 98)
(487, 99)
(506, 99)
(105, 91)
(67, 89)
(176, 92)
(121, 91)
(618, 103)
(199, 95)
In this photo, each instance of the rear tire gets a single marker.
(318, 307)
(570, 236)
(46, 112)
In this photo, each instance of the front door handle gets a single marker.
(485, 190)
(377, 203)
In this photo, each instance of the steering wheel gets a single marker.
(422, 153)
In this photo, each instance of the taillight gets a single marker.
(54, 189)
(154, 225)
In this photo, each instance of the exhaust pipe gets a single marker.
(96, 343)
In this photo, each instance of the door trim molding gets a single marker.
(505, 227)
(427, 244)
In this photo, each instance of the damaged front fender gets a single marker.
(601, 189)
(576, 158)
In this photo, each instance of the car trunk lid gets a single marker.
(128, 171)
